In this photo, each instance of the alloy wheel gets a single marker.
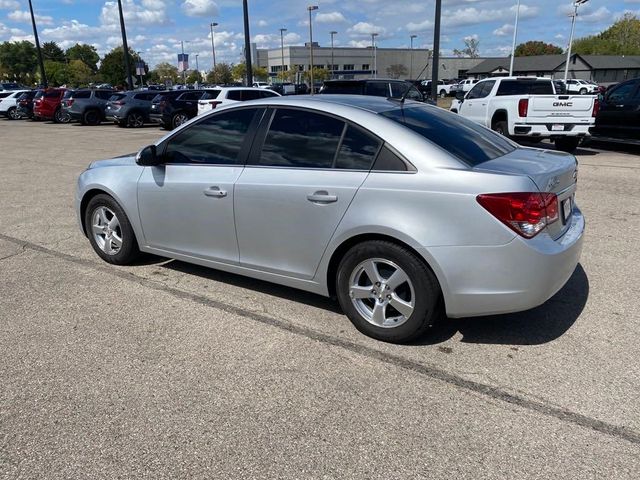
(106, 230)
(179, 119)
(382, 293)
(14, 114)
(135, 120)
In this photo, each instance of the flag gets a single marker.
(140, 68)
(183, 62)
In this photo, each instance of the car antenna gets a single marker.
(404, 95)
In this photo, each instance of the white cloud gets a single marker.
(504, 30)
(200, 8)
(365, 28)
(9, 4)
(331, 17)
(419, 27)
(25, 17)
(147, 12)
(263, 23)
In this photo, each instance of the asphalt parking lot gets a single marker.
(168, 370)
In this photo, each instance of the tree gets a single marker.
(57, 73)
(260, 73)
(239, 72)
(471, 48)
(112, 67)
(164, 72)
(51, 51)
(535, 47)
(194, 77)
(85, 53)
(221, 75)
(80, 74)
(19, 60)
(319, 75)
(622, 38)
(397, 70)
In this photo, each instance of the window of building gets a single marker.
(350, 66)
(365, 66)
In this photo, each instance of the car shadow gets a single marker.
(533, 327)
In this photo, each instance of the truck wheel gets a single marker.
(443, 94)
(501, 127)
(567, 144)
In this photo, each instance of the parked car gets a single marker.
(48, 106)
(375, 87)
(172, 109)
(130, 109)
(221, 96)
(529, 108)
(9, 105)
(286, 88)
(463, 86)
(581, 87)
(86, 106)
(11, 86)
(261, 85)
(400, 210)
(25, 103)
(619, 115)
(444, 89)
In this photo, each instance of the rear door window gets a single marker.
(80, 94)
(378, 89)
(102, 95)
(358, 150)
(210, 95)
(251, 95)
(234, 95)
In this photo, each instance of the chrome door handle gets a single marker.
(215, 192)
(322, 197)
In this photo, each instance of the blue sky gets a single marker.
(156, 27)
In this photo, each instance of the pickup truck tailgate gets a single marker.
(576, 106)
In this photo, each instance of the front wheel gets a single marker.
(135, 120)
(387, 292)
(91, 117)
(567, 144)
(14, 114)
(443, 94)
(60, 117)
(178, 119)
(583, 91)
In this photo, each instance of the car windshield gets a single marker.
(466, 140)
(39, 94)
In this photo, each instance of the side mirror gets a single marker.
(148, 157)
(460, 95)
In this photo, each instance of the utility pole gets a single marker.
(332, 62)
(436, 50)
(411, 69)
(311, 8)
(576, 4)
(125, 47)
(515, 34)
(247, 44)
(184, 68)
(45, 84)
(213, 51)
(282, 30)
(374, 72)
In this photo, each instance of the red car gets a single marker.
(47, 105)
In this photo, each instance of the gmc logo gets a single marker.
(563, 104)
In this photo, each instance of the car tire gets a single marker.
(370, 303)
(443, 94)
(59, 116)
(135, 120)
(501, 127)
(567, 144)
(583, 91)
(13, 114)
(91, 118)
(114, 241)
(179, 119)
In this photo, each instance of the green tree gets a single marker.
(80, 74)
(194, 76)
(112, 67)
(260, 73)
(221, 75)
(163, 72)
(85, 53)
(239, 72)
(51, 51)
(397, 70)
(319, 75)
(57, 73)
(621, 38)
(535, 47)
(19, 61)
(471, 48)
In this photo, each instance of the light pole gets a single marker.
(247, 43)
(125, 47)
(374, 72)
(436, 50)
(213, 51)
(184, 69)
(576, 4)
(411, 69)
(45, 84)
(282, 30)
(311, 8)
(515, 35)
(198, 71)
(332, 64)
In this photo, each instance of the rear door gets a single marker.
(303, 173)
(619, 114)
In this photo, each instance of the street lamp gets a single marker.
(374, 72)
(311, 8)
(332, 33)
(197, 70)
(576, 4)
(282, 30)
(515, 34)
(411, 69)
(35, 35)
(125, 47)
(436, 50)
(247, 43)
(213, 50)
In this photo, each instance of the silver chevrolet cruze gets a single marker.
(401, 210)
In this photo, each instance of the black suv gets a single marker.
(25, 103)
(130, 109)
(619, 114)
(172, 109)
(375, 87)
(86, 106)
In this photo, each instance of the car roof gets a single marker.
(364, 80)
(362, 102)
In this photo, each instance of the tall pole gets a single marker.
(213, 51)
(247, 44)
(45, 84)
(332, 62)
(411, 69)
(576, 4)
(515, 35)
(311, 8)
(125, 47)
(184, 70)
(436, 50)
(374, 72)
(197, 70)
(282, 30)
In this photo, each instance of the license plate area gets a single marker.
(557, 127)
(567, 208)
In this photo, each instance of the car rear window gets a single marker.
(342, 88)
(210, 95)
(39, 94)
(464, 139)
(52, 94)
(117, 96)
(525, 87)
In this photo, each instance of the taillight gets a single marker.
(215, 104)
(523, 107)
(596, 108)
(119, 103)
(527, 214)
(69, 102)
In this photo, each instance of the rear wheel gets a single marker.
(60, 117)
(178, 119)
(91, 117)
(501, 127)
(13, 114)
(387, 292)
(567, 144)
(583, 91)
(135, 120)
(443, 93)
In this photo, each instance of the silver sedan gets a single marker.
(401, 210)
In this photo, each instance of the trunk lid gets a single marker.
(551, 171)
(562, 106)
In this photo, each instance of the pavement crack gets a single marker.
(23, 248)
(428, 371)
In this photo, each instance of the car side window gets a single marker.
(234, 95)
(378, 89)
(250, 95)
(622, 93)
(414, 94)
(388, 161)
(103, 95)
(358, 150)
(217, 140)
(190, 96)
(267, 94)
(476, 92)
(487, 87)
(301, 139)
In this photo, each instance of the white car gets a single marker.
(581, 86)
(9, 105)
(261, 85)
(218, 96)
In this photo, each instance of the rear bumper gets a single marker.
(157, 118)
(546, 130)
(518, 276)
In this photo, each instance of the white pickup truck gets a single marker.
(529, 108)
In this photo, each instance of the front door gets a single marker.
(620, 112)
